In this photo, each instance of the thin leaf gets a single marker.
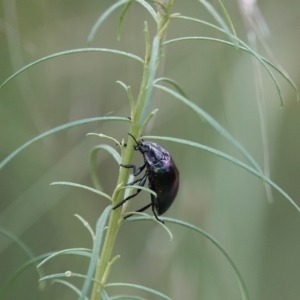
(96, 249)
(214, 124)
(228, 20)
(71, 286)
(240, 47)
(14, 238)
(219, 19)
(93, 164)
(121, 18)
(103, 295)
(151, 218)
(103, 17)
(126, 297)
(254, 53)
(5, 288)
(129, 95)
(148, 119)
(238, 275)
(150, 9)
(68, 52)
(231, 159)
(108, 267)
(82, 187)
(173, 83)
(55, 130)
(105, 136)
(139, 287)
(67, 274)
(152, 72)
(73, 251)
(22, 245)
(86, 225)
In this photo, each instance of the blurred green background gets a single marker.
(221, 198)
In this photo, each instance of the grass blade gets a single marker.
(231, 159)
(72, 251)
(140, 287)
(68, 52)
(96, 249)
(219, 20)
(5, 288)
(152, 72)
(214, 124)
(55, 130)
(82, 187)
(71, 286)
(103, 17)
(254, 53)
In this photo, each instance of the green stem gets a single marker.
(116, 218)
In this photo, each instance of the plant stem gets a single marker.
(116, 218)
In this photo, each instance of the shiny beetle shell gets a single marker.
(163, 175)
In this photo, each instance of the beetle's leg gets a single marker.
(144, 208)
(142, 183)
(136, 171)
(140, 210)
(154, 212)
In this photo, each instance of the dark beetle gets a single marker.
(162, 174)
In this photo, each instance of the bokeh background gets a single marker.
(221, 198)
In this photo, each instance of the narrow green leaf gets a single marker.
(71, 286)
(150, 116)
(67, 274)
(68, 52)
(14, 238)
(5, 288)
(254, 53)
(219, 19)
(103, 17)
(231, 159)
(96, 250)
(82, 187)
(86, 225)
(173, 83)
(240, 47)
(228, 20)
(126, 297)
(214, 124)
(150, 218)
(93, 164)
(150, 9)
(55, 130)
(129, 95)
(238, 275)
(72, 251)
(103, 295)
(104, 136)
(23, 246)
(152, 72)
(139, 287)
(122, 15)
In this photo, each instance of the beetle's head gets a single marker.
(139, 145)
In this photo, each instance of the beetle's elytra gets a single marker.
(162, 174)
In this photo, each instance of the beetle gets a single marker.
(162, 175)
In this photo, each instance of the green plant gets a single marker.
(101, 259)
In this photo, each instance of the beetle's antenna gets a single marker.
(133, 138)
